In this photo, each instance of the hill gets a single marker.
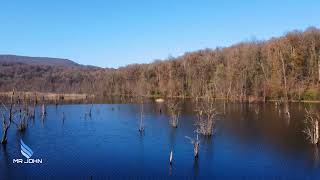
(41, 61)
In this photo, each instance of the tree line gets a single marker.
(286, 67)
(280, 68)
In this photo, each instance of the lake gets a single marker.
(246, 144)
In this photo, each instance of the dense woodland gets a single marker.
(287, 67)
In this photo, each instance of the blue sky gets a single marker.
(110, 33)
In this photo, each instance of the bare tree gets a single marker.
(89, 107)
(22, 124)
(33, 111)
(18, 114)
(141, 126)
(5, 124)
(89, 111)
(43, 108)
(5, 127)
(319, 67)
(257, 109)
(196, 145)
(174, 111)
(312, 126)
(206, 116)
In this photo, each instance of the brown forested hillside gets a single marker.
(264, 69)
(49, 78)
(278, 68)
(43, 61)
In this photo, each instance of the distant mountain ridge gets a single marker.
(42, 61)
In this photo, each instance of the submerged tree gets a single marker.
(89, 111)
(174, 111)
(89, 108)
(206, 116)
(6, 124)
(17, 113)
(312, 126)
(196, 145)
(141, 126)
(22, 124)
(43, 108)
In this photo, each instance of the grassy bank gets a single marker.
(49, 96)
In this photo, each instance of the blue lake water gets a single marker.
(246, 144)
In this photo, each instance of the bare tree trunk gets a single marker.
(34, 110)
(141, 128)
(43, 111)
(229, 91)
(206, 117)
(5, 131)
(174, 110)
(265, 81)
(319, 69)
(284, 78)
(196, 145)
(264, 92)
(5, 125)
(286, 105)
(316, 132)
(171, 157)
(312, 126)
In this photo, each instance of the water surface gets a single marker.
(108, 144)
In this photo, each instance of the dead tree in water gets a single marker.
(206, 117)
(171, 157)
(312, 126)
(33, 110)
(24, 115)
(283, 103)
(63, 117)
(11, 113)
(141, 126)
(22, 125)
(5, 124)
(286, 110)
(174, 111)
(43, 108)
(196, 145)
(18, 113)
(89, 110)
(257, 109)
(284, 74)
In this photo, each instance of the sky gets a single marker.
(114, 33)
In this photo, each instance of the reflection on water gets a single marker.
(315, 156)
(196, 167)
(251, 140)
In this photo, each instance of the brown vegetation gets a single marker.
(16, 112)
(311, 130)
(206, 116)
(54, 97)
(287, 67)
(174, 110)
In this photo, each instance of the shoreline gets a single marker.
(48, 96)
(82, 96)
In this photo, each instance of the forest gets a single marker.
(286, 67)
